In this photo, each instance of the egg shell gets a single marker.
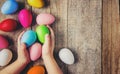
(25, 18)
(8, 25)
(9, 7)
(35, 51)
(36, 70)
(41, 31)
(29, 37)
(3, 42)
(36, 3)
(45, 18)
(5, 57)
(66, 56)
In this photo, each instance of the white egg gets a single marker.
(66, 56)
(5, 57)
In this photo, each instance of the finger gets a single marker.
(22, 49)
(47, 40)
(19, 37)
(52, 33)
(52, 37)
(23, 46)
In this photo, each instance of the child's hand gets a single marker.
(47, 54)
(23, 55)
(48, 46)
(22, 60)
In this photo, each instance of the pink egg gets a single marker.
(3, 42)
(35, 51)
(25, 18)
(45, 18)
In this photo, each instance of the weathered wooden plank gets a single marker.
(115, 37)
(84, 35)
(106, 36)
(111, 34)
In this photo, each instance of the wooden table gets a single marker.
(111, 37)
(90, 28)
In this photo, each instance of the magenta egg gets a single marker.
(45, 18)
(35, 51)
(3, 42)
(25, 18)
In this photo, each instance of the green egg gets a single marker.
(41, 31)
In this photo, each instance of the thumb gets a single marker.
(21, 48)
(47, 39)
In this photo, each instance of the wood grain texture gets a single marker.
(84, 35)
(77, 26)
(111, 40)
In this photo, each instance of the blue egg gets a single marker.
(29, 37)
(9, 7)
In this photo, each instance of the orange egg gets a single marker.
(36, 70)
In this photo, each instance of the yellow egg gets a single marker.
(36, 70)
(36, 3)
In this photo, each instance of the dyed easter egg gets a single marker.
(5, 57)
(25, 18)
(9, 7)
(8, 25)
(66, 56)
(29, 37)
(35, 51)
(36, 70)
(36, 3)
(3, 42)
(45, 18)
(41, 31)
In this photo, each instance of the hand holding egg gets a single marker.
(23, 55)
(48, 46)
(29, 38)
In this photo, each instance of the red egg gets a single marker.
(8, 25)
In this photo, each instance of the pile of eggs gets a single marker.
(30, 37)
